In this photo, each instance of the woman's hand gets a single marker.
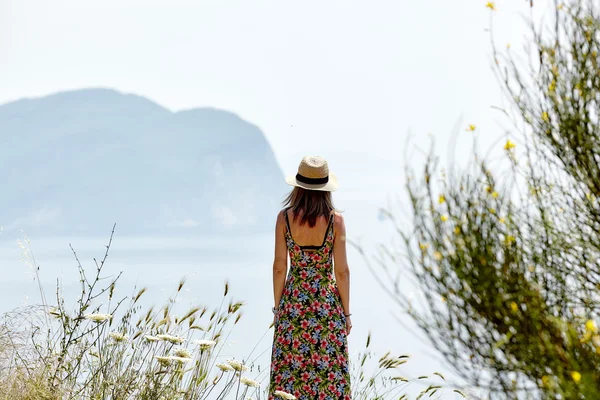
(348, 325)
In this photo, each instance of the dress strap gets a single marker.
(287, 221)
(331, 223)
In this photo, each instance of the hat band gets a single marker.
(311, 181)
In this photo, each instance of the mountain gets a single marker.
(76, 162)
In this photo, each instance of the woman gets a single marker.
(309, 359)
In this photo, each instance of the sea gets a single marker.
(206, 263)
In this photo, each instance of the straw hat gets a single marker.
(313, 174)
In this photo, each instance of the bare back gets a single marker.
(304, 235)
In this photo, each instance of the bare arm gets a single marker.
(280, 261)
(341, 270)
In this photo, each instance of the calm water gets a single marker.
(207, 262)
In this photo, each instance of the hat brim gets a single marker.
(330, 186)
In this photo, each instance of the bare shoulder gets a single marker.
(338, 221)
(280, 216)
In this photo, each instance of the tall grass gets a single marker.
(102, 347)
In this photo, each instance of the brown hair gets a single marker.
(310, 204)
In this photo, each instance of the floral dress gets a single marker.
(309, 358)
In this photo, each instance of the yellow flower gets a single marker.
(514, 307)
(510, 240)
(457, 230)
(471, 128)
(560, 6)
(576, 376)
(508, 45)
(586, 337)
(492, 210)
(590, 326)
(502, 220)
(495, 195)
(491, 5)
(545, 380)
(442, 199)
(509, 145)
(444, 218)
(437, 255)
(545, 117)
(552, 86)
(423, 246)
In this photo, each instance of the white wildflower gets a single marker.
(204, 343)
(170, 338)
(180, 360)
(285, 395)
(98, 317)
(118, 337)
(237, 365)
(181, 352)
(249, 382)
(168, 360)
(224, 367)
(163, 360)
(151, 338)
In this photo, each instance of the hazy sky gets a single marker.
(319, 77)
(347, 80)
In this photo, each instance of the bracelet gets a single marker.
(347, 315)
(274, 310)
